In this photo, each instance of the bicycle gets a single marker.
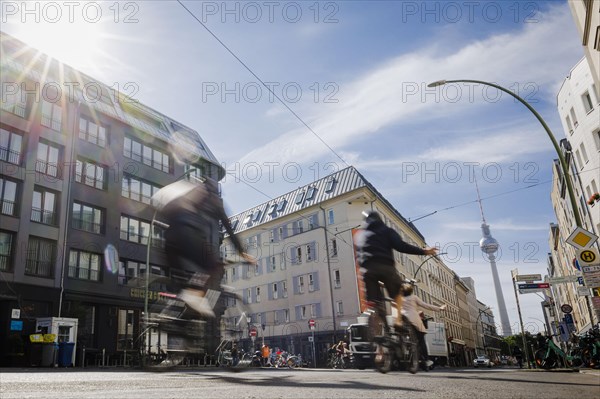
(394, 347)
(186, 330)
(548, 355)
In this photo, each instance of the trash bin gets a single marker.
(65, 354)
(35, 354)
(49, 350)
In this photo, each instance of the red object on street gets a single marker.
(311, 323)
(252, 332)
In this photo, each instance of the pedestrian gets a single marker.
(234, 354)
(375, 244)
(518, 354)
(410, 307)
(265, 351)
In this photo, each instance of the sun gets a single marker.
(77, 43)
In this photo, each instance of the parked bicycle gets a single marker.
(549, 355)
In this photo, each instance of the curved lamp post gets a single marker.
(426, 259)
(563, 162)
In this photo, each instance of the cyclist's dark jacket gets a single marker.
(376, 242)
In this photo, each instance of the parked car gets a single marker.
(482, 360)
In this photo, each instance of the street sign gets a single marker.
(528, 277)
(581, 238)
(534, 285)
(562, 279)
(530, 290)
(596, 291)
(580, 280)
(566, 308)
(583, 291)
(311, 324)
(576, 264)
(252, 332)
(588, 256)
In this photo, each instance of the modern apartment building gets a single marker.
(79, 164)
(306, 265)
(586, 14)
(578, 107)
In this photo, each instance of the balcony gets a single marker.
(43, 216)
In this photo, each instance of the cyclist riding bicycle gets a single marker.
(193, 212)
(375, 243)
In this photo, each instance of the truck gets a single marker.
(437, 346)
(362, 349)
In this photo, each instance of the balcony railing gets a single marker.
(5, 265)
(10, 156)
(9, 208)
(41, 268)
(86, 225)
(43, 216)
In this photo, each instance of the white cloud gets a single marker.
(394, 92)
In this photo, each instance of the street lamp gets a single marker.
(563, 162)
(477, 325)
(426, 259)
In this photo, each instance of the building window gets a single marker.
(257, 294)
(298, 255)
(8, 192)
(299, 198)
(301, 284)
(298, 227)
(51, 115)
(330, 185)
(10, 147)
(311, 282)
(339, 306)
(272, 264)
(569, 124)
(275, 292)
(587, 102)
(87, 218)
(334, 248)
(47, 159)
(197, 174)
(137, 190)
(330, 216)
(6, 251)
(574, 117)
(43, 207)
(40, 257)
(303, 312)
(284, 292)
(15, 103)
(84, 265)
(136, 230)
(309, 255)
(584, 153)
(147, 155)
(248, 296)
(90, 174)
(93, 132)
(310, 193)
(337, 281)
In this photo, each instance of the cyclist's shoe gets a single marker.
(198, 303)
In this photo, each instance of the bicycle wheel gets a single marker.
(573, 359)
(383, 358)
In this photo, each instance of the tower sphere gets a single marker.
(489, 245)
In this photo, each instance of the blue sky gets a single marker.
(369, 62)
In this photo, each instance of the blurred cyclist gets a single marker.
(375, 243)
(193, 212)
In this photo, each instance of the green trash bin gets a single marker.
(49, 350)
(65, 354)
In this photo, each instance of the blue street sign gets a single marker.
(568, 318)
(534, 285)
(580, 280)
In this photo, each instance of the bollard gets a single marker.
(83, 357)
(103, 353)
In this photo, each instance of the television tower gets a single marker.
(489, 246)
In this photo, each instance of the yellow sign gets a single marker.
(588, 256)
(596, 291)
(581, 238)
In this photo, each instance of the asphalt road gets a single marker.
(302, 383)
